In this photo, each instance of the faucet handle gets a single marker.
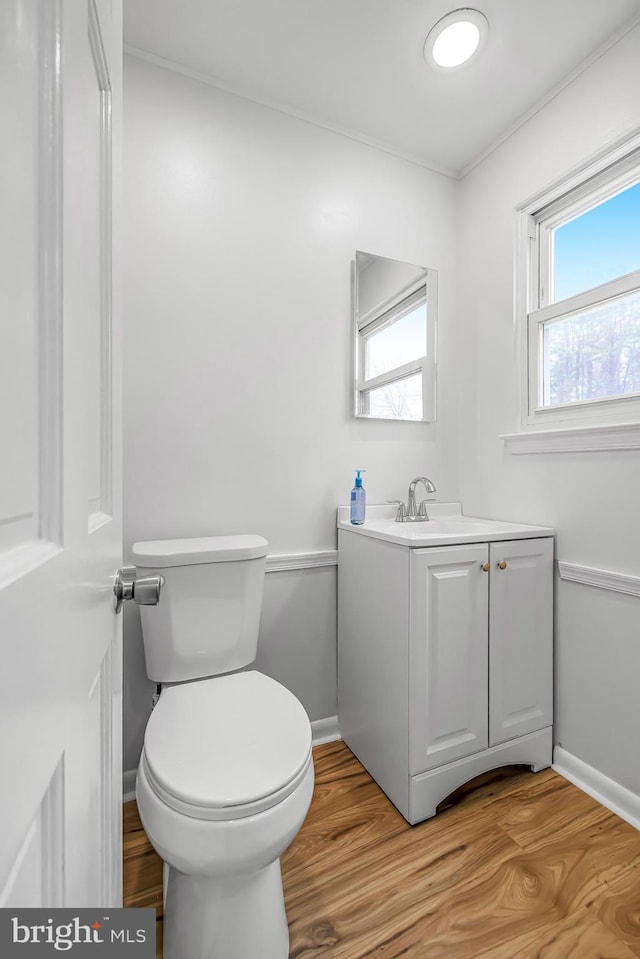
(402, 510)
(422, 509)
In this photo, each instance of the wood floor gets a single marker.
(520, 866)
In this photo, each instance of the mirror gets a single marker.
(394, 324)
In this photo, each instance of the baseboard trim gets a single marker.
(325, 730)
(608, 792)
(129, 785)
(322, 731)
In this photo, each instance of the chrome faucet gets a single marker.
(412, 513)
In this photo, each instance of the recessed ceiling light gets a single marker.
(455, 39)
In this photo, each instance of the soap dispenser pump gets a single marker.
(358, 501)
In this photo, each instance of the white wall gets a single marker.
(241, 224)
(590, 498)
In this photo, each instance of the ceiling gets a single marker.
(356, 66)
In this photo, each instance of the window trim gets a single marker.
(609, 172)
(375, 321)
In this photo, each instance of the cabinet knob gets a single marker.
(486, 567)
(502, 564)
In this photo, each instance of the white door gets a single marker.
(448, 663)
(60, 453)
(521, 638)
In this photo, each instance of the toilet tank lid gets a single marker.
(206, 549)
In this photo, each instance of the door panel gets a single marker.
(521, 638)
(37, 873)
(22, 250)
(448, 659)
(98, 112)
(60, 641)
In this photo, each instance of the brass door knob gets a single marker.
(486, 567)
(502, 564)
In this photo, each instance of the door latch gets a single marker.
(144, 591)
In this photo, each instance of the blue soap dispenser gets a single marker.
(358, 501)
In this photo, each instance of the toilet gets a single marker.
(226, 773)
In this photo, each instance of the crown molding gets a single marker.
(551, 95)
(220, 84)
(212, 81)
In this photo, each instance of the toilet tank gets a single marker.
(206, 621)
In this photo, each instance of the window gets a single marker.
(394, 305)
(579, 292)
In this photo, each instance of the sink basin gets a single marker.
(445, 528)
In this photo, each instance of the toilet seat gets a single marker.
(226, 747)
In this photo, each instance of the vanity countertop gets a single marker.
(447, 526)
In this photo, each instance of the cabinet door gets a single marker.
(448, 668)
(521, 638)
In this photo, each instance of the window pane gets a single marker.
(401, 400)
(593, 354)
(597, 246)
(398, 343)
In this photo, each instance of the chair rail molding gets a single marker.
(282, 561)
(601, 578)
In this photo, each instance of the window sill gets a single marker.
(582, 439)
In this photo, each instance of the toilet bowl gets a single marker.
(224, 784)
(226, 772)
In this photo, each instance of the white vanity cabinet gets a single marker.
(445, 661)
(448, 655)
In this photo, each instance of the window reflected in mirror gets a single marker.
(394, 328)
